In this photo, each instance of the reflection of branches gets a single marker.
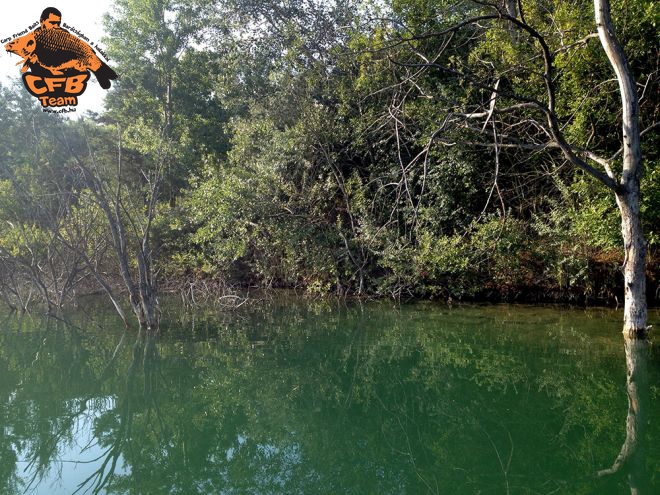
(399, 412)
(631, 457)
(145, 354)
(39, 459)
(505, 469)
(48, 448)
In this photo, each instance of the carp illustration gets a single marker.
(57, 50)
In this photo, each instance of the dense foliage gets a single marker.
(305, 144)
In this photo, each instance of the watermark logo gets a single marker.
(56, 63)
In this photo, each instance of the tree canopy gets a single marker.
(356, 148)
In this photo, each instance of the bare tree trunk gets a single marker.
(140, 291)
(635, 313)
(634, 273)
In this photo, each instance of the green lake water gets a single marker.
(293, 397)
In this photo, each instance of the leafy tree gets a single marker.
(164, 100)
(509, 61)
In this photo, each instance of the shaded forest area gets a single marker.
(354, 148)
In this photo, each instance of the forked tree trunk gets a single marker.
(635, 314)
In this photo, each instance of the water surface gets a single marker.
(293, 397)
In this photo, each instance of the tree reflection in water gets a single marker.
(142, 369)
(37, 423)
(632, 457)
(314, 399)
